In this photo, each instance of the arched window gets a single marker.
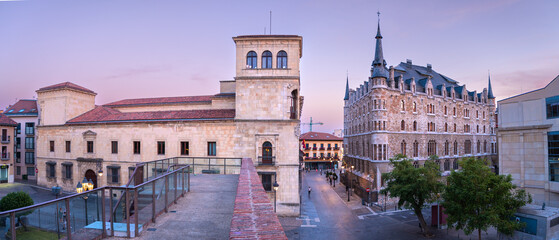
(414, 125)
(485, 146)
(446, 148)
(403, 106)
(431, 148)
(251, 59)
(445, 110)
(446, 165)
(403, 147)
(281, 59)
(414, 107)
(403, 125)
(267, 59)
(267, 158)
(445, 127)
(454, 111)
(455, 164)
(294, 103)
(415, 164)
(467, 147)
(478, 146)
(455, 147)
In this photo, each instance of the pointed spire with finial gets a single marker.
(379, 64)
(489, 90)
(347, 88)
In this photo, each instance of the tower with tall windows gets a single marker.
(415, 111)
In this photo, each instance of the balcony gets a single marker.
(336, 148)
(5, 139)
(5, 156)
(307, 148)
(328, 148)
(321, 148)
(266, 161)
(314, 148)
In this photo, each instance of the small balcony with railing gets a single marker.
(5, 156)
(266, 161)
(321, 148)
(5, 139)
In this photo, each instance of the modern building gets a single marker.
(321, 150)
(26, 114)
(415, 111)
(7, 129)
(255, 116)
(528, 137)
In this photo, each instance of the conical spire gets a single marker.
(347, 89)
(379, 64)
(489, 90)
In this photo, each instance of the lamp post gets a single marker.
(352, 173)
(276, 186)
(84, 186)
(56, 191)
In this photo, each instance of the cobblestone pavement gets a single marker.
(327, 214)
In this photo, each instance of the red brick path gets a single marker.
(253, 217)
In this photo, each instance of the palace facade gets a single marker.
(321, 150)
(415, 111)
(255, 116)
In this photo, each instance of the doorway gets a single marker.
(90, 175)
(4, 174)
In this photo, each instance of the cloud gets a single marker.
(517, 82)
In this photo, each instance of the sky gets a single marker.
(137, 49)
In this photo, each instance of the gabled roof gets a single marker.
(23, 107)
(6, 121)
(102, 114)
(65, 85)
(160, 101)
(319, 136)
(420, 72)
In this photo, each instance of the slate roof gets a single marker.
(319, 136)
(102, 114)
(23, 107)
(420, 73)
(65, 85)
(6, 121)
(161, 101)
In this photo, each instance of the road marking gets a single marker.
(308, 225)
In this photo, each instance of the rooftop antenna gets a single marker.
(270, 22)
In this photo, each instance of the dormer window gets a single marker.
(267, 59)
(251, 59)
(281, 59)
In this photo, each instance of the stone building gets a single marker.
(255, 116)
(321, 150)
(528, 137)
(26, 114)
(7, 130)
(415, 111)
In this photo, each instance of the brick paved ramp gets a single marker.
(254, 216)
(204, 213)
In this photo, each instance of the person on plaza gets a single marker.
(310, 189)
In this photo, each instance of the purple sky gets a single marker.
(135, 49)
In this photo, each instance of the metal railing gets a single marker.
(266, 160)
(5, 139)
(199, 165)
(5, 156)
(68, 217)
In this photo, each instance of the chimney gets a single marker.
(429, 67)
(408, 61)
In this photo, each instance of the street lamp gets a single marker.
(276, 186)
(81, 187)
(56, 191)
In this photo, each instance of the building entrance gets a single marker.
(90, 175)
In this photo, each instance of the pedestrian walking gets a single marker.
(310, 189)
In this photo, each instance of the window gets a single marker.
(446, 148)
(267, 181)
(51, 170)
(485, 146)
(29, 128)
(67, 170)
(455, 148)
(293, 108)
(267, 59)
(89, 146)
(185, 149)
(415, 149)
(414, 107)
(68, 146)
(467, 147)
(446, 165)
(51, 146)
(455, 127)
(212, 149)
(18, 128)
(445, 127)
(454, 111)
(455, 164)
(445, 110)
(552, 107)
(161, 148)
(18, 143)
(478, 146)
(553, 155)
(113, 174)
(415, 164)
(432, 148)
(403, 147)
(114, 147)
(403, 105)
(414, 125)
(29, 157)
(29, 143)
(30, 171)
(402, 125)
(18, 170)
(251, 59)
(136, 145)
(281, 59)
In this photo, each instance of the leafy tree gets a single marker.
(476, 198)
(415, 187)
(16, 200)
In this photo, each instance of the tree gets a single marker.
(16, 200)
(476, 198)
(415, 187)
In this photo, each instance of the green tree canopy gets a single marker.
(15, 200)
(415, 187)
(476, 198)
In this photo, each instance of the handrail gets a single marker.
(86, 192)
(113, 211)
